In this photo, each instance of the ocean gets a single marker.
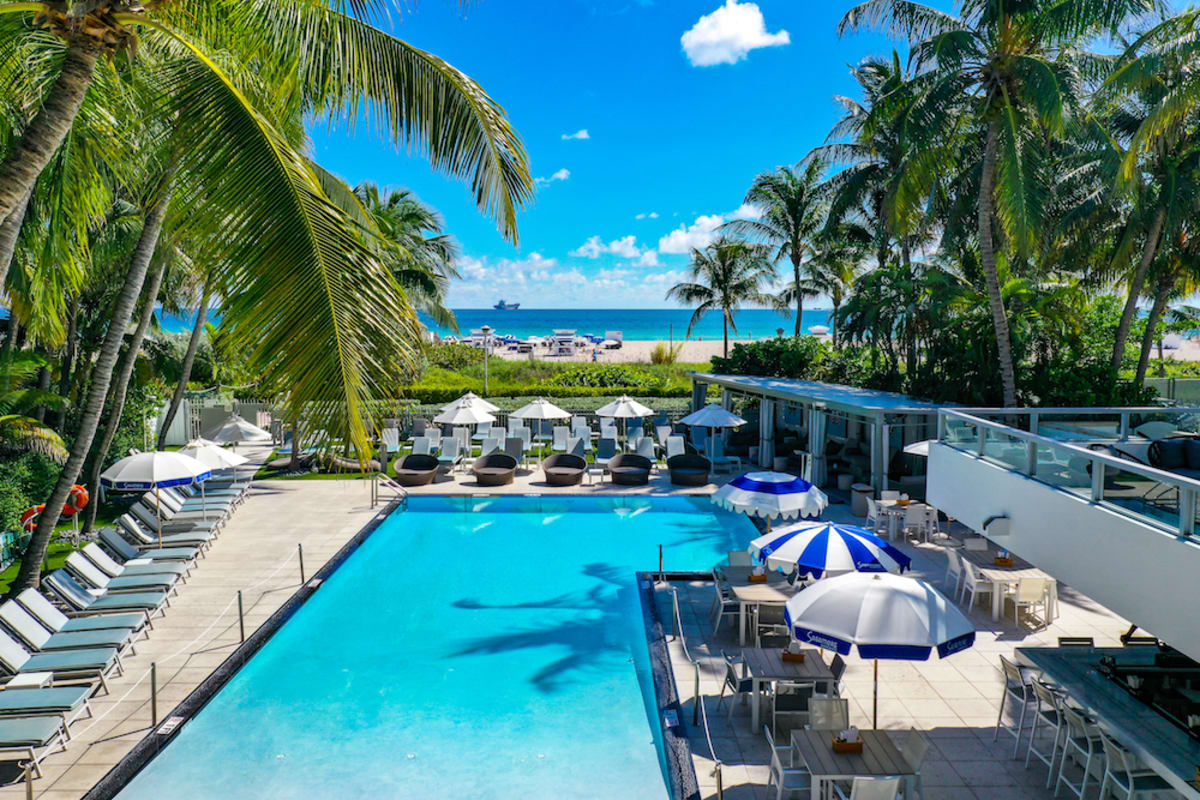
(634, 324)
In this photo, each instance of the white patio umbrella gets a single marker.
(464, 411)
(156, 470)
(212, 454)
(479, 402)
(884, 615)
(540, 409)
(236, 429)
(626, 408)
(919, 448)
(771, 495)
(713, 416)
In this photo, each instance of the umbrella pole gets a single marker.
(875, 699)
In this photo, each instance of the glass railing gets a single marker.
(1095, 461)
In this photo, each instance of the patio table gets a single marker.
(775, 591)
(879, 759)
(895, 511)
(1002, 577)
(766, 665)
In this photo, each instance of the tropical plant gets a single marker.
(726, 275)
(20, 433)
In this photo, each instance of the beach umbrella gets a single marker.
(825, 549)
(713, 416)
(883, 615)
(771, 495)
(235, 429)
(212, 455)
(540, 409)
(465, 411)
(919, 448)
(156, 470)
(479, 402)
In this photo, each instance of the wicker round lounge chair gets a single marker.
(416, 470)
(564, 469)
(629, 469)
(689, 469)
(495, 469)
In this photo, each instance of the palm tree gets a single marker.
(20, 433)
(726, 275)
(792, 210)
(1001, 69)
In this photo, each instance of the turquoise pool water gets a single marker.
(470, 648)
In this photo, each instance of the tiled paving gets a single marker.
(954, 703)
(256, 549)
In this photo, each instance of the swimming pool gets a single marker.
(471, 647)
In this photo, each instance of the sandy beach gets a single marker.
(634, 352)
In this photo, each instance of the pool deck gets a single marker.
(256, 553)
(953, 703)
(531, 480)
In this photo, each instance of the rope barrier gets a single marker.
(699, 699)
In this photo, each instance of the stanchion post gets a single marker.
(720, 783)
(28, 781)
(300, 550)
(675, 610)
(241, 617)
(697, 699)
(154, 694)
(661, 575)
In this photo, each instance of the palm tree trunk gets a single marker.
(1135, 286)
(725, 331)
(799, 293)
(1160, 302)
(9, 231)
(833, 332)
(10, 346)
(41, 138)
(67, 366)
(188, 359)
(987, 258)
(31, 561)
(43, 385)
(120, 388)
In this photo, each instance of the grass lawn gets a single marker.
(56, 556)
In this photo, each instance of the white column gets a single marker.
(766, 433)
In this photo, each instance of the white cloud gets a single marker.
(651, 215)
(647, 259)
(579, 134)
(727, 35)
(561, 175)
(746, 211)
(625, 247)
(697, 235)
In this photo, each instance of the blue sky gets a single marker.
(683, 102)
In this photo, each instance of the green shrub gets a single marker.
(603, 376)
(13, 503)
(781, 357)
(453, 355)
(663, 353)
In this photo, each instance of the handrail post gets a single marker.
(28, 781)
(1124, 427)
(982, 440)
(1097, 481)
(1187, 512)
(1031, 458)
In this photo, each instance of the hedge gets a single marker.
(445, 393)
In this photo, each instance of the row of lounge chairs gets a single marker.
(562, 469)
(59, 646)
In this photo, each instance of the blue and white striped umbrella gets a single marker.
(771, 495)
(820, 548)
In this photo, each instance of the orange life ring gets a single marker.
(29, 519)
(77, 500)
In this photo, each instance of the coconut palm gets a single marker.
(791, 213)
(1003, 70)
(725, 276)
(18, 432)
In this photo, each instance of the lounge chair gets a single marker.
(56, 621)
(175, 509)
(418, 428)
(561, 434)
(78, 565)
(71, 592)
(94, 663)
(719, 459)
(498, 432)
(422, 446)
(463, 434)
(201, 500)
(689, 469)
(606, 449)
(149, 537)
(417, 470)
(227, 491)
(149, 518)
(526, 437)
(645, 449)
(575, 446)
(514, 446)
(491, 445)
(564, 469)
(114, 569)
(68, 702)
(661, 433)
(675, 446)
(584, 434)
(451, 454)
(18, 620)
(495, 469)
(629, 469)
(390, 437)
(31, 739)
(482, 431)
(125, 552)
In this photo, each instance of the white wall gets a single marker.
(1144, 574)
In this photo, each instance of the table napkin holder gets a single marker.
(758, 578)
(1001, 561)
(847, 748)
(795, 658)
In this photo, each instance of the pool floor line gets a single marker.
(153, 742)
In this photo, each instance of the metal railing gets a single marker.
(699, 712)
(379, 481)
(1119, 423)
(1150, 495)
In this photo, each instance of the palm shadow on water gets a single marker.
(590, 636)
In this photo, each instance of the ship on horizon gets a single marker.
(503, 306)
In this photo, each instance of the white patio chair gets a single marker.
(583, 434)
(489, 446)
(954, 574)
(828, 714)
(1018, 689)
(483, 431)
(876, 521)
(974, 584)
(1082, 744)
(914, 749)
(1031, 593)
(720, 459)
(737, 680)
(871, 789)
(675, 446)
(645, 447)
(1123, 781)
(391, 439)
(740, 558)
(451, 454)
(1047, 715)
(916, 520)
(785, 780)
(576, 446)
(422, 446)
(561, 434)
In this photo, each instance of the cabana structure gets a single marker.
(832, 435)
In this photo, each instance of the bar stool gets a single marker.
(1048, 714)
(1016, 687)
(1126, 783)
(1082, 741)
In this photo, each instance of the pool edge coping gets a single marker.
(150, 745)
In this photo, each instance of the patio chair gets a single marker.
(1031, 593)
(123, 550)
(80, 600)
(491, 445)
(78, 565)
(39, 640)
(390, 437)
(719, 459)
(889, 494)
(482, 431)
(1122, 780)
(95, 663)
(954, 574)
(914, 750)
(195, 500)
(1082, 744)
(514, 446)
(584, 434)
(675, 446)
(141, 517)
(56, 621)
(498, 432)
(559, 443)
(68, 702)
(148, 537)
(829, 714)
(973, 584)
(737, 681)
(116, 569)
(31, 739)
(495, 469)
(526, 437)
(629, 469)
(606, 449)
(870, 789)
(450, 456)
(688, 469)
(1047, 713)
(662, 433)
(725, 604)
(145, 511)
(769, 621)
(419, 425)
(739, 558)
(790, 701)
(577, 447)
(1018, 689)
(876, 521)
(837, 668)
(417, 469)
(564, 469)
(916, 520)
(463, 435)
(578, 421)
(785, 780)
(422, 446)
(543, 430)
